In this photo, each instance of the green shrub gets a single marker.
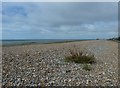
(87, 67)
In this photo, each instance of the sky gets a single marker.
(59, 20)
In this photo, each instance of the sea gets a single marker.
(36, 41)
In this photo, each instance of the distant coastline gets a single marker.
(15, 42)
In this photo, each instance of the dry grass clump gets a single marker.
(80, 57)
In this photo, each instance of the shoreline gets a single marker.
(37, 43)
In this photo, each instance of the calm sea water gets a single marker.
(34, 41)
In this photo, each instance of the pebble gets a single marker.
(46, 66)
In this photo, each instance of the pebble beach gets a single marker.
(45, 65)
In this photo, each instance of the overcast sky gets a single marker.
(55, 20)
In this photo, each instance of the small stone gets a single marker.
(34, 75)
(17, 55)
(51, 83)
(87, 82)
(63, 72)
(103, 73)
(96, 81)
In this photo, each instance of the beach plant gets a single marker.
(87, 67)
(79, 57)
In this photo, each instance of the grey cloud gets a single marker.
(74, 18)
(75, 13)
